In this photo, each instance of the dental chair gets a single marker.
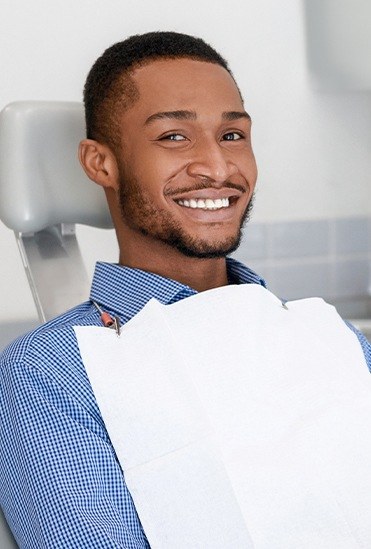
(44, 193)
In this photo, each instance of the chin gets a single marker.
(203, 249)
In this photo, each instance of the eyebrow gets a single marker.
(235, 115)
(174, 115)
(191, 115)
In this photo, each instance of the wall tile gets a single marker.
(294, 281)
(351, 236)
(327, 258)
(353, 307)
(352, 278)
(254, 242)
(299, 239)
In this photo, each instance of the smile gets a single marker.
(204, 203)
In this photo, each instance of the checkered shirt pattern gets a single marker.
(61, 485)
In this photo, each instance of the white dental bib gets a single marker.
(238, 423)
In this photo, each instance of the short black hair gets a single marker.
(109, 88)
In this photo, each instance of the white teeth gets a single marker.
(205, 204)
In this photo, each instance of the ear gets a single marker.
(99, 163)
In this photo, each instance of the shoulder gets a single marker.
(51, 350)
(47, 362)
(54, 332)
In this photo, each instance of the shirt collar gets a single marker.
(238, 273)
(125, 291)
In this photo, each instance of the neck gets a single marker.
(199, 274)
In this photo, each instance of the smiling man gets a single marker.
(179, 171)
(212, 421)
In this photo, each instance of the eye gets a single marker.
(232, 136)
(173, 137)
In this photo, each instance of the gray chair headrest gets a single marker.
(41, 181)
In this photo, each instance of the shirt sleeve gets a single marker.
(365, 344)
(60, 482)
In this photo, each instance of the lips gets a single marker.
(209, 205)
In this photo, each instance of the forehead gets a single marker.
(182, 84)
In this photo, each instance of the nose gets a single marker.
(212, 162)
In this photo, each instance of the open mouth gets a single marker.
(205, 203)
(209, 204)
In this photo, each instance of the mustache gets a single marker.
(204, 185)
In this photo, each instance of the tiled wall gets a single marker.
(327, 258)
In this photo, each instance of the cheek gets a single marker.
(249, 168)
(157, 171)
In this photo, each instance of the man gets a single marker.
(168, 138)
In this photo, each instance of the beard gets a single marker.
(139, 214)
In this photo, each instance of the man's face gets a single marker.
(187, 170)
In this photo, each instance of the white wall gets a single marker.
(313, 149)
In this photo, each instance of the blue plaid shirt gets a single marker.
(60, 482)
